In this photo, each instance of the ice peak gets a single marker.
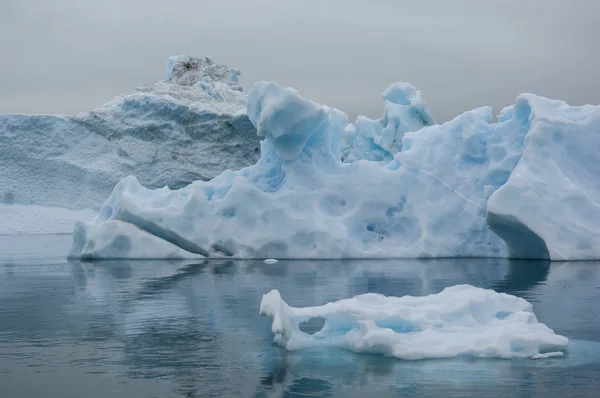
(381, 139)
(187, 70)
(292, 124)
(399, 93)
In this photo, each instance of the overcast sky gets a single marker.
(67, 56)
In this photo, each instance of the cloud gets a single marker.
(66, 56)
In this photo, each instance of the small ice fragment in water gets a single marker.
(461, 320)
(271, 261)
(548, 355)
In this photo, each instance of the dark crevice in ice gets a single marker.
(521, 241)
(163, 233)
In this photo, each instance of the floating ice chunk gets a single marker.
(461, 320)
(271, 261)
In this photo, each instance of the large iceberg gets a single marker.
(461, 320)
(301, 201)
(191, 126)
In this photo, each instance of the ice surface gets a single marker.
(550, 205)
(189, 128)
(123, 240)
(379, 140)
(301, 201)
(17, 219)
(461, 320)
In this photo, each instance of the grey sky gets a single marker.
(67, 56)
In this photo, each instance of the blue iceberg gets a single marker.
(524, 186)
(379, 140)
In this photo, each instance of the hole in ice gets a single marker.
(398, 325)
(121, 245)
(333, 205)
(313, 325)
(502, 314)
(517, 346)
(229, 212)
(209, 192)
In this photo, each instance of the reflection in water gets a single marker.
(523, 276)
(303, 386)
(194, 326)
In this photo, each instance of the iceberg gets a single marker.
(450, 191)
(192, 126)
(461, 320)
(379, 140)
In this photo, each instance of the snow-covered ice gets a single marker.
(190, 127)
(301, 201)
(461, 320)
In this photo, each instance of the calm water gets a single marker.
(192, 329)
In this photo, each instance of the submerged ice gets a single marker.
(523, 186)
(461, 320)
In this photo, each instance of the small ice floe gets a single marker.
(271, 261)
(461, 320)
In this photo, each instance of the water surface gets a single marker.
(192, 329)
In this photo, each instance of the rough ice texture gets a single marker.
(17, 219)
(186, 70)
(550, 205)
(379, 140)
(123, 240)
(301, 201)
(190, 127)
(461, 320)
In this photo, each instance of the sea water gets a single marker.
(193, 329)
